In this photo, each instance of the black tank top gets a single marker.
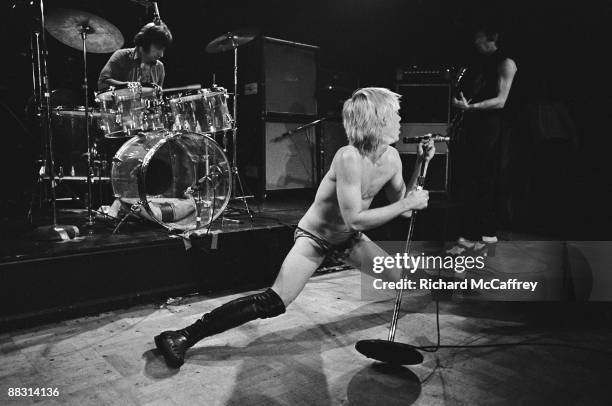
(483, 76)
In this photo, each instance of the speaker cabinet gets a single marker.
(278, 77)
(278, 82)
(272, 160)
(290, 159)
(290, 77)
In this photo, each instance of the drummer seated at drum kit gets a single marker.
(138, 65)
(141, 63)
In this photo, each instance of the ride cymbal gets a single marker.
(66, 26)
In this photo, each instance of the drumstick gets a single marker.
(182, 88)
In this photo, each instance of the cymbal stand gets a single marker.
(236, 181)
(43, 96)
(85, 29)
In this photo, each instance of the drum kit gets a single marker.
(172, 167)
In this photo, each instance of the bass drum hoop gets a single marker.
(142, 173)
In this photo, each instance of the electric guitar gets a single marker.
(475, 83)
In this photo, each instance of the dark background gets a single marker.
(562, 52)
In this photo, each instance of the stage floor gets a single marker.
(143, 263)
(21, 246)
(307, 356)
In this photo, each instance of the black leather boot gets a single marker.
(174, 344)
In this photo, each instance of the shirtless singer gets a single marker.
(334, 223)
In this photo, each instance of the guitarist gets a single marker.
(485, 91)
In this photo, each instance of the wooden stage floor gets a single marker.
(307, 356)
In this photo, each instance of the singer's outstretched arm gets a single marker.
(397, 189)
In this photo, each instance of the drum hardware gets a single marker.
(226, 42)
(80, 179)
(196, 193)
(42, 95)
(389, 350)
(76, 29)
(134, 209)
(84, 30)
(100, 166)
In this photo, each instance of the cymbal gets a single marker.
(231, 40)
(66, 26)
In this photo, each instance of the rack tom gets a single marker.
(130, 109)
(202, 110)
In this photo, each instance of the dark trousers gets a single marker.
(477, 169)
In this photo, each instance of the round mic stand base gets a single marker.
(390, 352)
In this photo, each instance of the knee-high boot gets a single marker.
(174, 344)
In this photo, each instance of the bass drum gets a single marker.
(181, 179)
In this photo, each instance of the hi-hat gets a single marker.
(66, 26)
(389, 352)
(231, 40)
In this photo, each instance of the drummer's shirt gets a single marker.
(125, 65)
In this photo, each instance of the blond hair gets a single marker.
(366, 114)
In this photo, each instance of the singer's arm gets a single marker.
(412, 183)
(396, 189)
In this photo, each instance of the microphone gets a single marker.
(298, 129)
(434, 136)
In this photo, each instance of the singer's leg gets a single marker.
(362, 257)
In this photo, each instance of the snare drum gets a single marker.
(130, 109)
(203, 110)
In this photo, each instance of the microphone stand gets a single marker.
(389, 350)
(300, 128)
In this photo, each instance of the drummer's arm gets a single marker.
(113, 82)
(162, 75)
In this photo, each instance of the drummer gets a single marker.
(141, 63)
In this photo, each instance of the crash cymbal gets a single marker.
(66, 26)
(231, 40)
